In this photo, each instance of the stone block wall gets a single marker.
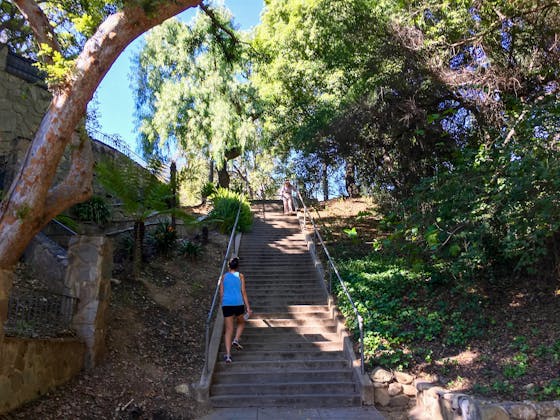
(22, 106)
(31, 367)
(426, 400)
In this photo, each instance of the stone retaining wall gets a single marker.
(22, 106)
(425, 400)
(31, 367)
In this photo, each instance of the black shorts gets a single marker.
(233, 310)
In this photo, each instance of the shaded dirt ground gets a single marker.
(155, 345)
(518, 355)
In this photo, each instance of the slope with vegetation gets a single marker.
(491, 338)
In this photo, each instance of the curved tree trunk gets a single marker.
(33, 200)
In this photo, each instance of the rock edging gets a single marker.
(398, 391)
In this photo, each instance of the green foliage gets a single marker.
(68, 222)
(164, 238)
(552, 389)
(225, 206)
(207, 190)
(94, 210)
(141, 193)
(58, 69)
(125, 247)
(517, 367)
(191, 91)
(189, 249)
(352, 233)
(403, 308)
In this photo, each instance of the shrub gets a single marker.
(207, 190)
(226, 203)
(164, 238)
(189, 249)
(124, 248)
(93, 210)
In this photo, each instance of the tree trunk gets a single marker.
(211, 172)
(138, 250)
(223, 176)
(174, 201)
(350, 180)
(33, 200)
(210, 178)
(325, 181)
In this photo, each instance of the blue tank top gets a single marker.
(232, 290)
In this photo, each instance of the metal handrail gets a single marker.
(307, 214)
(121, 146)
(215, 298)
(64, 227)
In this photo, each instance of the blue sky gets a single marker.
(114, 98)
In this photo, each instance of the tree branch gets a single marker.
(210, 13)
(39, 24)
(77, 185)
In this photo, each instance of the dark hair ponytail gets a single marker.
(234, 263)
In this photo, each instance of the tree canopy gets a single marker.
(448, 110)
(193, 94)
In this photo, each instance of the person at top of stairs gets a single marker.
(234, 305)
(287, 197)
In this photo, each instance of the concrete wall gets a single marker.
(31, 367)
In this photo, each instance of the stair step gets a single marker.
(275, 366)
(266, 346)
(271, 323)
(250, 336)
(337, 375)
(308, 315)
(258, 281)
(280, 388)
(262, 304)
(293, 354)
(275, 307)
(287, 355)
(291, 309)
(295, 400)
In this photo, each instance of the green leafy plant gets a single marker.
(189, 249)
(517, 367)
(225, 205)
(94, 210)
(552, 388)
(164, 238)
(207, 190)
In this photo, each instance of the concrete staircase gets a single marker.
(293, 348)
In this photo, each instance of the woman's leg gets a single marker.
(240, 326)
(228, 325)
